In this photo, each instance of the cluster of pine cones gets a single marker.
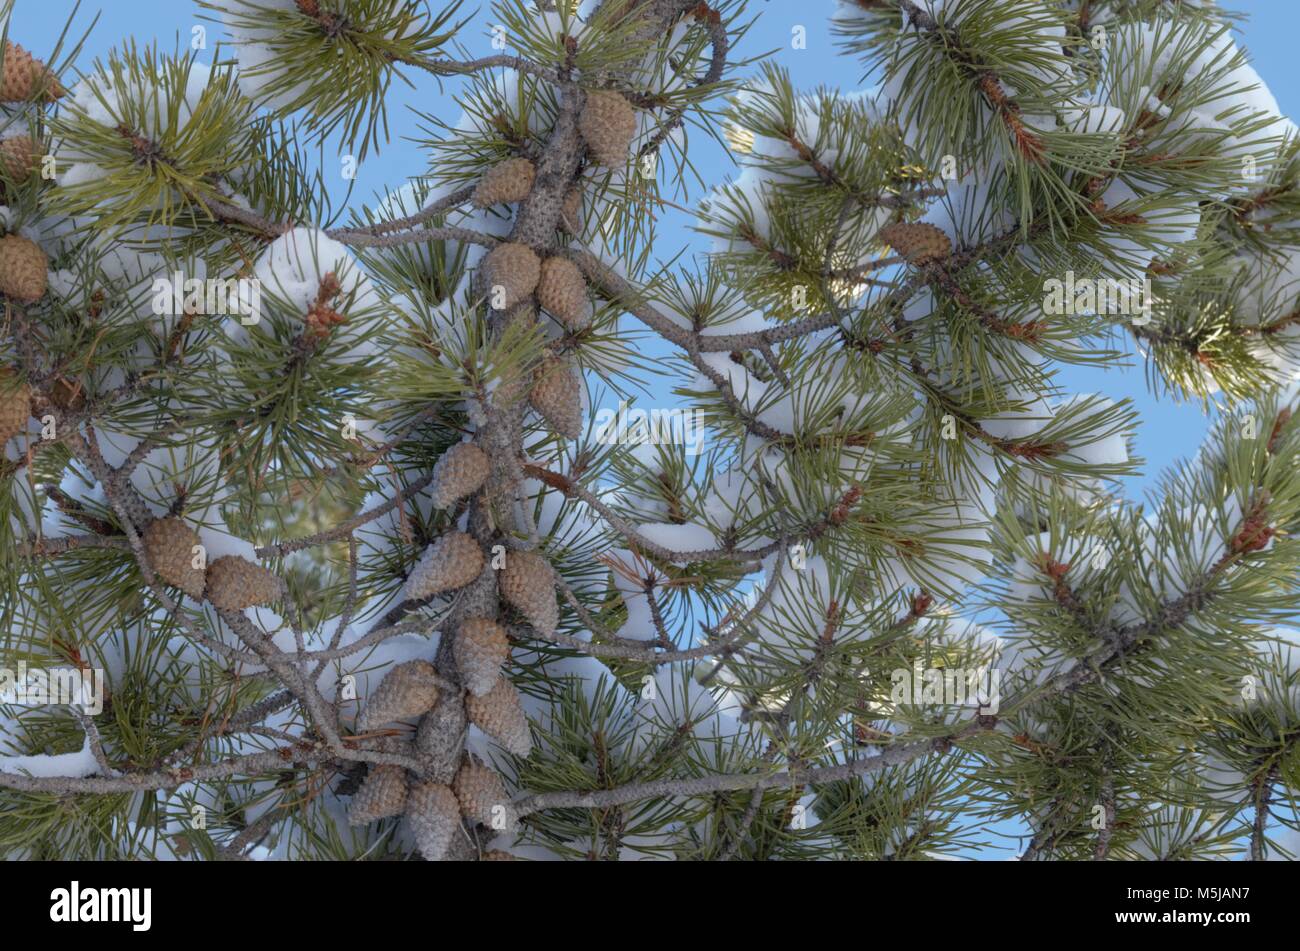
(23, 79)
(230, 583)
(24, 269)
(515, 276)
(481, 647)
(24, 273)
(435, 810)
(514, 273)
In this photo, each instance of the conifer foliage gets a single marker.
(314, 492)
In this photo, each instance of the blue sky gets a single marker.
(1167, 430)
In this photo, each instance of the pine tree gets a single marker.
(898, 600)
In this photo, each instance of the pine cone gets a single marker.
(513, 267)
(434, 814)
(383, 794)
(460, 472)
(483, 798)
(557, 397)
(235, 583)
(506, 182)
(22, 74)
(528, 583)
(562, 291)
(18, 157)
(169, 543)
(15, 406)
(571, 210)
(23, 269)
(408, 690)
(607, 124)
(451, 562)
(496, 855)
(480, 648)
(917, 243)
(499, 714)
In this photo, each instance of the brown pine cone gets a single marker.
(496, 855)
(21, 75)
(917, 243)
(607, 124)
(499, 714)
(24, 272)
(480, 648)
(451, 562)
(170, 543)
(506, 182)
(408, 690)
(15, 406)
(18, 157)
(514, 269)
(460, 472)
(382, 794)
(528, 583)
(562, 291)
(434, 815)
(235, 583)
(557, 397)
(483, 797)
